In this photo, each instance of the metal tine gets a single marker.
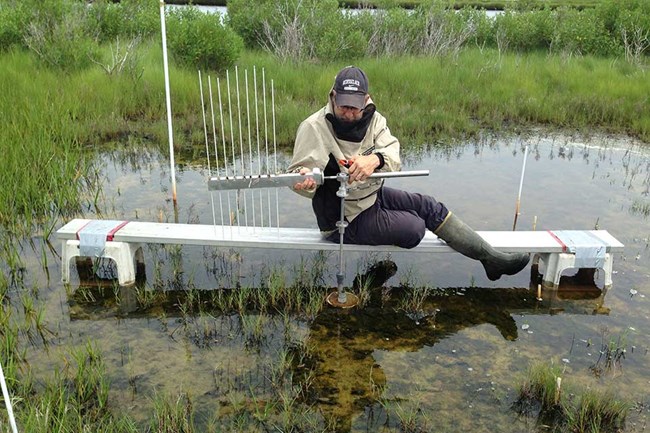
(225, 153)
(257, 135)
(275, 158)
(250, 144)
(266, 140)
(232, 142)
(241, 143)
(216, 155)
(207, 145)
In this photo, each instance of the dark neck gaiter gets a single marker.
(352, 131)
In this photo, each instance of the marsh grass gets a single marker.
(566, 408)
(173, 413)
(44, 174)
(75, 396)
(640, 207)
(611, 354)
(52, 124)
(480, 4)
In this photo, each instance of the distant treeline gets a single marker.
(68, 34)
(412, 4)
(318, 30)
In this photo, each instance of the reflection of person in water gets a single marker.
(347, 378)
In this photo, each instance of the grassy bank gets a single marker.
(425, 99)
(52, 119)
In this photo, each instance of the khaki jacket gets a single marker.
(315, 141)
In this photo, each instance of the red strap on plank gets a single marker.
(559, 241)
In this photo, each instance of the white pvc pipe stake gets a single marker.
(168, 99)
(5, 393)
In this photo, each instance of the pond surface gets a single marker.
(439, 344)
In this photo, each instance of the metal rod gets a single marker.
(216, 149)
(521, 184)
(232, 131)
(266, 140)
(257, 137)
(342, 193)
(250, 142)
(222, 183)
(390, 174)
(207, 145)
(170, 132)
(241, 141)
(232, 146)
(275, 157)
(225, 153)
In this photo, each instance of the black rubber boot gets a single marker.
(466, 241)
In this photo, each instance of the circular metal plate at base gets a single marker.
(350, 300)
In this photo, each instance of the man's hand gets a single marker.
(306, 185)
(362, 167)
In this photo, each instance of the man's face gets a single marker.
(345, 113)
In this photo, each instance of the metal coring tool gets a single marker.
(339, 298)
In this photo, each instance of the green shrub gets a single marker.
(295, 29)
(202, 40)
(14, 17)
(525, 31)
(336, 45)
(439, 30)
(392, 33)
(619, 14)
(483, 27)
(58, 33)
(105, 19)
(128, 18)
(246, 18)
(581, 32)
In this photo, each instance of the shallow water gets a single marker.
(451, 360)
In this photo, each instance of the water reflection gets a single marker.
(344, 377)
(348, 378)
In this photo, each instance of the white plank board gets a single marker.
(310, 239)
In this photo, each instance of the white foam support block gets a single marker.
(555, 264)
(124, 254)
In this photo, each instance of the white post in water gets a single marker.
(169, 102)
(5, 394)
(521, 184)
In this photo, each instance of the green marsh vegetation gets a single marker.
(485, 4)
(567, 408)
(79, 78)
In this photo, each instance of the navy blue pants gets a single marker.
(397, 218)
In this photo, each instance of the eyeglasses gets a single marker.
(349, 108)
